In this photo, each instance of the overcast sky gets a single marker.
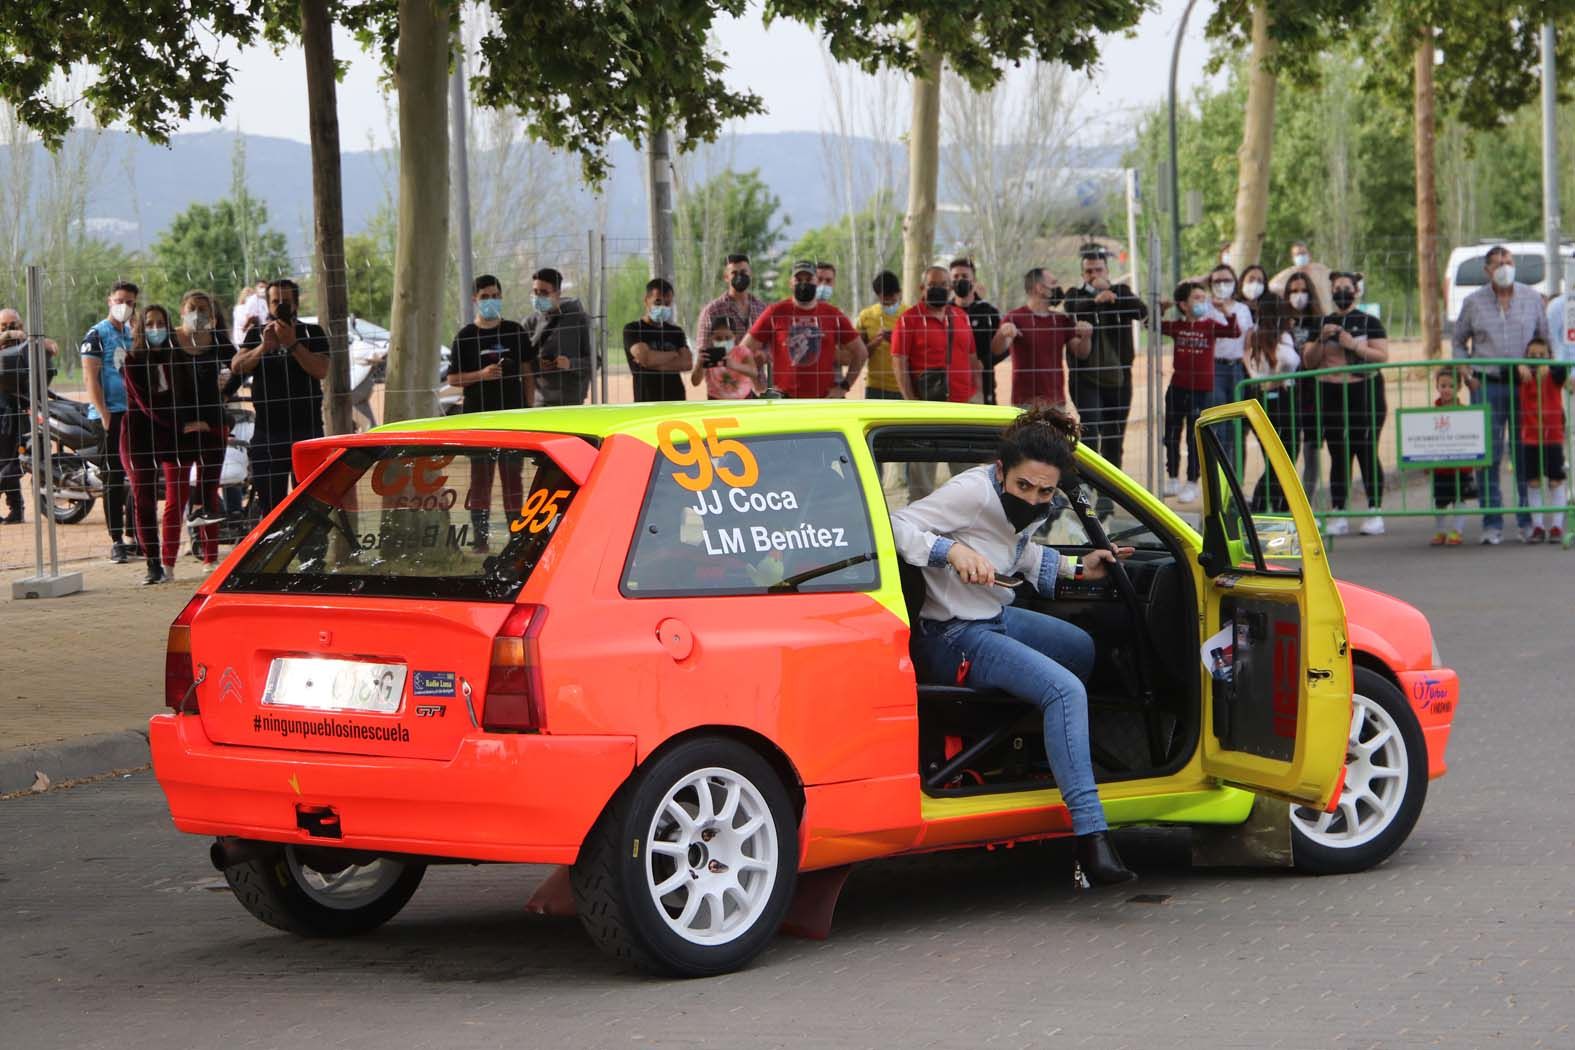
(784, 67)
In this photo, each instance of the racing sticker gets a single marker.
(432, 683)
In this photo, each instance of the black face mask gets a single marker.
(936, 296)
(1343, 298)
(804, 292)
(1055, 296)
(740, 282)
(284, 312)
(1020, 512)
(963, 288)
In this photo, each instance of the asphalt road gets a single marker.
(115, 932)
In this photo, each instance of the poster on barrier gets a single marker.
(1443, 436)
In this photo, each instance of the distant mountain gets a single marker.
(196, 168)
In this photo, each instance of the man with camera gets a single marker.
(287, 360)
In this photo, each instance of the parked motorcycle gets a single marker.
(77, 444)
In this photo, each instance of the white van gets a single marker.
(1465, 275)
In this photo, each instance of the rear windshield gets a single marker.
(413, 522)
(1469, 273)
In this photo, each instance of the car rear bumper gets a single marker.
(524, 798)
(1434, 696)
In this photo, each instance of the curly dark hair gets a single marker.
(1044, 435)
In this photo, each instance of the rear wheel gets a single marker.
(68, 511)
(690, 869)
(1385, 786)
(308, 892)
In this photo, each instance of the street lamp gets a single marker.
(1175, 174)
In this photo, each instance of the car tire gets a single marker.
(284, 891)
(1385, 786)
(647, 885)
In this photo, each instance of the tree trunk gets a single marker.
(1257, 146)
(333, 309)
(924, 159)
(659, 170)
(1428, 286)
(420, 258)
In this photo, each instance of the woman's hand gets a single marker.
(1096, 564)
(971, 566)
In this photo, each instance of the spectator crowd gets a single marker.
(160, 383)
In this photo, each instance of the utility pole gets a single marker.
(1175, 171)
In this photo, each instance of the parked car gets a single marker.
(369, 366)
(1464, 274)
(678, 666)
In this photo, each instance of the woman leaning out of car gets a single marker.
(201, 352)
(148, 440)
(972, 533)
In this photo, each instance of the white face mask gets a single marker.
(1298, 300)
(1300, 259)
(1252, 289)
(1224, 289)
(120, 313)
(1504, 276)
(194, 321)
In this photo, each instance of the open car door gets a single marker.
(1276, 664)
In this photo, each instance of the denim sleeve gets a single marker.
(939, 550)
(1049, 565)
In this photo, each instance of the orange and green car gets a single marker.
(666, 647)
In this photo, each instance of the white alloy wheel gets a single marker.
(357, 886)
(1376, 773)
(711, 856)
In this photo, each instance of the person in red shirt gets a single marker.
(1191, 379)
(1040, 338)
(797, 332)
(1541, 407)
(932, 346)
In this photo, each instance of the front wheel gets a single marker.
(1385, 786)
(309, 892)
(690, 869)
(68, 511)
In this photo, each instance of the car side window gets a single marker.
(726, 514)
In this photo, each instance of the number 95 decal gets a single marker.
(541, 509)
(707, 455)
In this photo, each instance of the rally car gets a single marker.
(666, 647)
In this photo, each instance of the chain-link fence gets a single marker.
(171, 429)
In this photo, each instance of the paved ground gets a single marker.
(117, 933)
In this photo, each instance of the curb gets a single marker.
(87, 756)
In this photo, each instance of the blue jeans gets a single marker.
(1226, 375)
(1036, 658)
(1501, 431)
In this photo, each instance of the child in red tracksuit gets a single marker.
(1452, 486)
(1191, 380)
(1541, 464)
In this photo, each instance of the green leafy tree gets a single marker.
(730, 212)
(978, 39)
(206, 246)
(369, 269)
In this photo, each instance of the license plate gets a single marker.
(335, 685)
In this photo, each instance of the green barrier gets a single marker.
(1392, 417)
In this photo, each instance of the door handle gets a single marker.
(1318, 674)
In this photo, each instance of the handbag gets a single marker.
(934, 384)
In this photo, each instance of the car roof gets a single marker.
(774, 414)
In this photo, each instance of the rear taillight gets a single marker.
(179, 674)
(513, 701)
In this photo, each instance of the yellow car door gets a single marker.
(1276, 665)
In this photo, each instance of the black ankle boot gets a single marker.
(1098, 863)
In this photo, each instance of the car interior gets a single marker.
(1144, 693)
